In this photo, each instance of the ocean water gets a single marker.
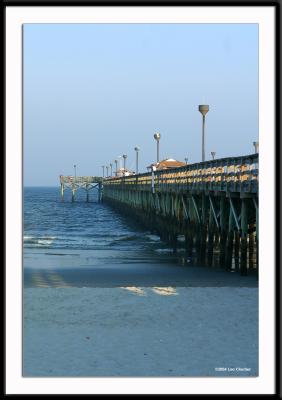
(90, 244)
(50, 224)
(85, 243)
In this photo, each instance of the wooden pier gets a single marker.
(86, 183)
(214, 204)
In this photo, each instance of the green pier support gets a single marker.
(237, 250)
(73, 192)
(244, 235)
(62, 191)
(210, 237)
(257, 238)
(223, 230)
(251, 246)
(204, 228)
(229, 240)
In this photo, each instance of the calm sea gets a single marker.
(90, 244)
(80, 236)
(50, 224)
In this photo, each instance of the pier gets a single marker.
(86, 183)
(214, 204)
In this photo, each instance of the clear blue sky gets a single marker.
(92, 92)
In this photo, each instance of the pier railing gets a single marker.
(70, 179)
(236, 174)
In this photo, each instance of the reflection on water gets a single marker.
(136, 290)
(165, 291)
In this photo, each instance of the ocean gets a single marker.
(90, 244)
(81, 237)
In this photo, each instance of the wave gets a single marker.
(43, 240)
(153, 238)
(179, 250)
(164, 250)
(126, 238)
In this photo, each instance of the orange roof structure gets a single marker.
(167, 164)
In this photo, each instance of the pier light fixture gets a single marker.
(157, 137)
(256, 146)
(137, 149)
(124, 159)
(111, 165)
(74, 172)
(186, 160)
(204, 109)
(213, 154)
(103, 167)
(116, 162)
(107, 168)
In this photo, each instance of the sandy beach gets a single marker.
(140, 331)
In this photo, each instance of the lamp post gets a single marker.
(137, 151)
(203, 108)
(124, 158)
(186, 160)
(213, 154)
(157, 137)
(103, 166)
(107, 168)
(256, 146)
(111, 165)
(116, 162)
(74, 172)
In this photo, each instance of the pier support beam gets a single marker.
(229, 240)
(244, 234)
(100, 188)
(73, 192)
(223, 229)
(251, 246)
(257, 233)
(204, 228)
(237, 249)
(211, 236)
(62, 191)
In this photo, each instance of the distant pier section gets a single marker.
(86, 183)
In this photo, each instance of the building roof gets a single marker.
(167, 163)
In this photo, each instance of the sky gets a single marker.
(93, 92)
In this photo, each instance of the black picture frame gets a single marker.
(278, 149)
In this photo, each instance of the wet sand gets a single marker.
(136, 275)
